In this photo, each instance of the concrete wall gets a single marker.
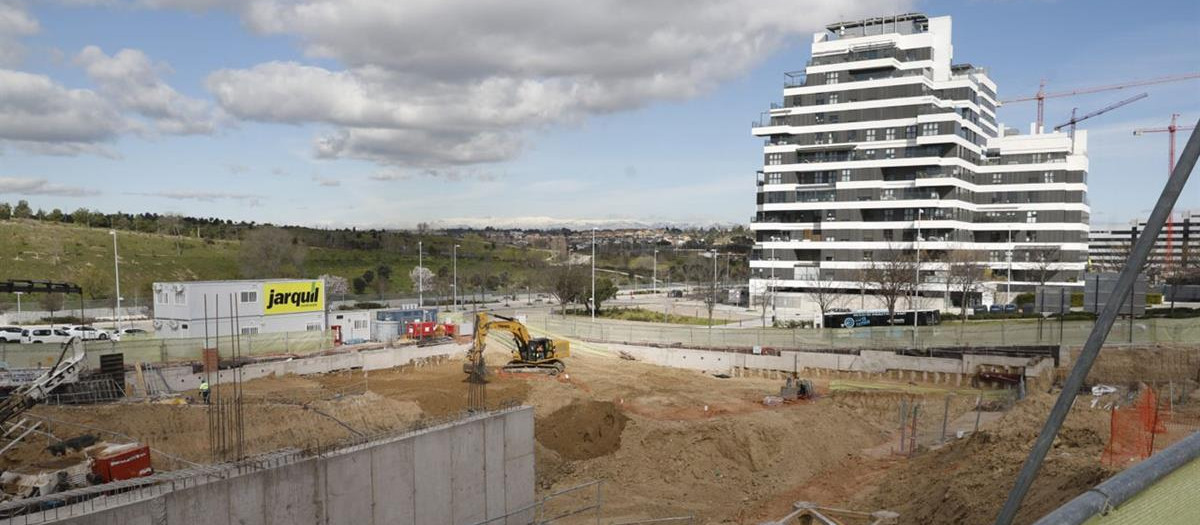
(866, 361)
(181, 378)
(465, 472)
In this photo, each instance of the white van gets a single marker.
(45, 335)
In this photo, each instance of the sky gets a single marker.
(378, 113)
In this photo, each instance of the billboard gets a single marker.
(289, 297)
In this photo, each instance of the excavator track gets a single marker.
(553, 368)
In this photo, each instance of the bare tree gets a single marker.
(1044, 258)
(965, 271)
(172, 224)
(335, 285)
(823, 293)
(890, 277)
(568, 284)
(271, 252)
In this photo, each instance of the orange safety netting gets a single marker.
(1133, 428)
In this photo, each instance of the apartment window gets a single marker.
(929, 128)
(845, 175)
(774, 178)
(249, 297)
(870, 135)
(834, 118)
(889, 153)
(887, 195)
(868, 256)
(774, 159)
(997, 178)
(831, 77)
(910, 132)
(1048, 177)
(830, 215)
(889, 215)
(1031, 216)
(360, 324)
(890, 134)
(870, 154)
(851, 135)
(249, 330)
(312, 327)
(833, 98)
(831, 238)
(819, 118)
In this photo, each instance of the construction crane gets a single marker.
(1170, 131)
(1075, 120)
(1042, 95)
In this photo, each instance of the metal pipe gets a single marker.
(1091, 349)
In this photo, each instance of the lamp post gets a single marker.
(713, 298)
(19, 294)
(917, 276)
(455, 285)
(1008, 256)
(117, 280)
(420, 275)
(654, 275)
(593, 305)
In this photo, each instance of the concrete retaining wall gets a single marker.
(465, 472)
(181, 378)
(866, 361)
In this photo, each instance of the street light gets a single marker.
(19, 294)
(420, 275)
(455, 285)
(654, 275)
(917, 277)
(117, 280)
(593, 273)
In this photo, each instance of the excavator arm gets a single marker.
(528, 351)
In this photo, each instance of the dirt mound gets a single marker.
(968, 481)
(583, 430)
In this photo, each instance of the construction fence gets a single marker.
(154, 350)
(992, 333)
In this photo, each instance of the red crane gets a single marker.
(1042, 95)
(1170, 131)
(1075, 120)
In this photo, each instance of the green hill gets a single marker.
(32, 249)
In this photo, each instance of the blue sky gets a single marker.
(498, 112)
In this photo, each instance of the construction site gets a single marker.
(621, 433)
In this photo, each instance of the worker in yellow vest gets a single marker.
(204, 390)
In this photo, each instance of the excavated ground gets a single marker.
(665, 442)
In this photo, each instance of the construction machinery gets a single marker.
(65, 370)
(796, 389)
(540, 354)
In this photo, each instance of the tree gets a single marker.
(82, 216)
(5, 211)
(823, 293)
(55, 215)
(1044, 258)
(93, 281)
(383, 276)
(422, 279)
(51, 302)
(965, 271)
(22, 211)
(605, 290)
(567, 284)
(360, 285)
(269, 252)
(890, 276)
(172, 224)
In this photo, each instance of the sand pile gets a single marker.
(583, 430)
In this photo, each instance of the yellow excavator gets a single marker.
(540, 354)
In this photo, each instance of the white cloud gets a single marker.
(435, 83)
(130, 80)
(202, 196)
(37, 186)
(40, 115)
(15, 22)
(326, 182)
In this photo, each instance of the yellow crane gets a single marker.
(529, 353)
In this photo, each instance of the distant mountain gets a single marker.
(547, 223)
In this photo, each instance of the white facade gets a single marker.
(1108, 248)
(883, 145)
(352, 324)
(247, 306)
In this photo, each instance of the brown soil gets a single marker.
(583, 430)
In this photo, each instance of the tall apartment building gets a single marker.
(1108, 248)
(883, 145)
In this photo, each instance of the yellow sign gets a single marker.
(292, 297)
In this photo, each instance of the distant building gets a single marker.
(253, 306)
(1108, 248)
(883, 145)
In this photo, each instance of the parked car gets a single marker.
(1010, 308)
(981, 309)
(996, 309)
(10, 334)
(45, 335)
(674, 294)
(117, 335)
(87, 333)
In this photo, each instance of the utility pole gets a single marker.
(117, 280)
(917, 277)
(714, 290)
(1008, 256)
(454, 302)
(593, 305)
(420, 275)
(19, 294)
